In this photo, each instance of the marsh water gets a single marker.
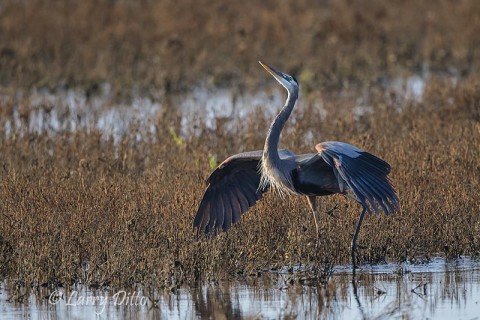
(71, 109)
(437, 289)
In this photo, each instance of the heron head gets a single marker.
(286, 80)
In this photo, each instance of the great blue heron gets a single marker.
(338, 167)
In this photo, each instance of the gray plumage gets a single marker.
(240, 181)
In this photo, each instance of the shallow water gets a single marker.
(433, 290)
(72, 109)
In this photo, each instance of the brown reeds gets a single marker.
(76, 207)
(166, 45)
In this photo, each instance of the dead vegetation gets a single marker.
(169, 45)
(78, 208)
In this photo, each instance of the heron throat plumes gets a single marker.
(276, 175)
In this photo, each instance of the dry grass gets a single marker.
(75, 208)
(166, 45)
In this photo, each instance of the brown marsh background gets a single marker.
(77, 207)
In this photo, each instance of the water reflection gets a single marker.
(436, 290)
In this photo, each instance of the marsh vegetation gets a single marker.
(79, 205)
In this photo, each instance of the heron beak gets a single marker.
(276, 74)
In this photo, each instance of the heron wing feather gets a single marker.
(365, 174)
(231, 190)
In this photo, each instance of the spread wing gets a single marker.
(361, 172)
(231, 190)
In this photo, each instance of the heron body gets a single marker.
(337, 168)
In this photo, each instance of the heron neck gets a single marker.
(270, 150)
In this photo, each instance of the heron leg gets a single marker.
(354, 240)
(312, 201)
